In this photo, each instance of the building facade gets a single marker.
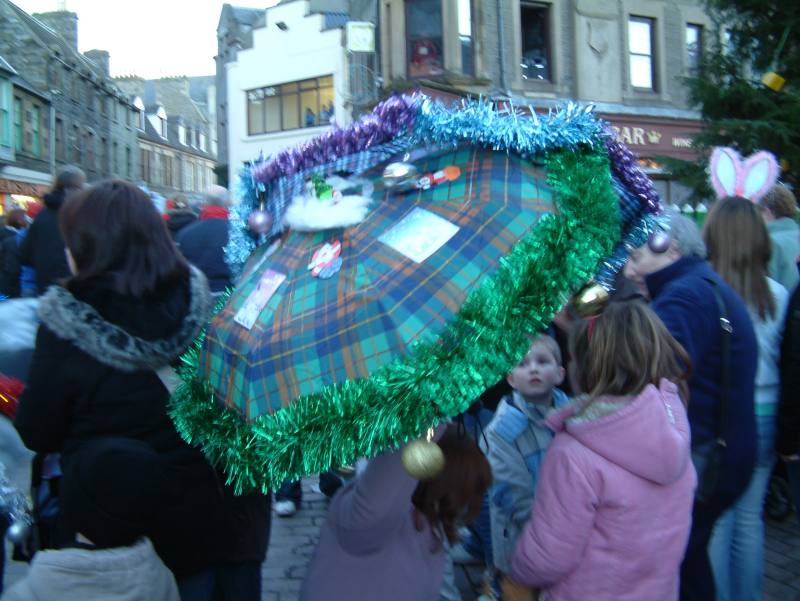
(627, 58)
(176, 139)
(91, 122)
(25, 153)
(284, 77)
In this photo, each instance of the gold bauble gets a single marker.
(590, 300)
(773, 81)
(423, 460)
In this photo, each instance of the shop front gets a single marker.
(21, 187)
(652, 138)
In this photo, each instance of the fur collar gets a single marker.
(79, 323)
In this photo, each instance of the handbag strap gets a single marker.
(725, 355)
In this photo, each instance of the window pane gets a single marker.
(325, 81)
(535, 60)
(326, 105)
(273, 110)
(291, 114)
(465, 36)
(288, 88)
(641, 71)
(694, 45)
(424, 37)
(308, 84)
(309, 102)
(255, 117)
(639, 36)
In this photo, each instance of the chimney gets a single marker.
(99, 58)
(64, 23)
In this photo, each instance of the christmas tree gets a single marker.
(745, 86)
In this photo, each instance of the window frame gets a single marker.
(6, 113)
(36, 131)
(651, 22)
(280, 92)
(407, 6)
(693, 65)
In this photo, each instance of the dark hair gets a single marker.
(624, 349)
(739, 250)
(16, 219)
(454, 496)
(113, 231)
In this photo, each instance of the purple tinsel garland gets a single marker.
(389, 119)
(623, 164)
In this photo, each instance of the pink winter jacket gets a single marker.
(613, 504)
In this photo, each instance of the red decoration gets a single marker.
(10, 391)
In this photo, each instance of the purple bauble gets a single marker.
(259, 221)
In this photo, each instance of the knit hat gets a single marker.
(112, 489)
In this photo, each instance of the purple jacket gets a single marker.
(370, 548)
(613, 505)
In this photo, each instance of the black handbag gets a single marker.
(707, 455)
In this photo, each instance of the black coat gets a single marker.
(92, 375)
(177, 220)
(43, 247)
(203, 244)
(788, 440)
(9, 266)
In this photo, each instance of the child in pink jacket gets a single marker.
(613, 505)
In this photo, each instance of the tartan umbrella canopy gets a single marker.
(405, 271)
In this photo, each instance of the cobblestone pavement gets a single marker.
(293, 540)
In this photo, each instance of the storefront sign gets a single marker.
(10, 186)
(652, 136)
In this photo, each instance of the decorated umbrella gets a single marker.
(418, 249)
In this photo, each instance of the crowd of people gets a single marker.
(626, 456)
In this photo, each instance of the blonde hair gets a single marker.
(739, 249)
(780, 201)
(626, 348)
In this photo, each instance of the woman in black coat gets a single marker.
(131, 308)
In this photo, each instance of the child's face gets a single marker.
(537, 374)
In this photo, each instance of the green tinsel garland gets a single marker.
(438, 380)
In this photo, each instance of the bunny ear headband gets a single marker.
(750, 178)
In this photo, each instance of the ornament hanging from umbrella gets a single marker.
(427, 299)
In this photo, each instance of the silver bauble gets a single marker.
(400, 176)
(17, 532)
(259, 221)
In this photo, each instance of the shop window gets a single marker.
(424, 38)
(694, 46)
(640, 52)
(306, 103)
(535, 62)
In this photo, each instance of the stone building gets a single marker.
(93, 124)
(25, 152)
(625, 57)
(176, 137)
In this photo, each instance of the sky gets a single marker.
(149, 38)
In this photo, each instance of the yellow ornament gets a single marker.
(423, 459)
(773, 81)
(590, 300)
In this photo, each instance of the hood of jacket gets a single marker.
(638, 434)
(122, 574)
(54, 200)
(124, 332)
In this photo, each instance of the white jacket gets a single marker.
(133, 573)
